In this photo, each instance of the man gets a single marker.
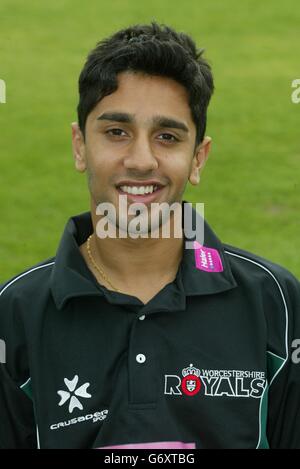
(139, 341)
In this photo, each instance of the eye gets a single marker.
(169, 137)
(115, 132)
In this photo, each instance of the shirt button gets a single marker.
(141, 318)
(140, 358)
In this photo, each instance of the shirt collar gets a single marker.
(203, 278)
(71, 277)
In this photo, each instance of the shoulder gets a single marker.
(29, 282)
(260, 272)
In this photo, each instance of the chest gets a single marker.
(155, 376)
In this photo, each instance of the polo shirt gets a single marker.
(209, 362)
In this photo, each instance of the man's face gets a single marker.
(142, 135)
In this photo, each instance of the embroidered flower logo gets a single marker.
(73, 393)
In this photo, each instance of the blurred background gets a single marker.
(250, 185)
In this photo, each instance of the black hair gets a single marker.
(154, 50)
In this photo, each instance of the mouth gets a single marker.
(140, 192)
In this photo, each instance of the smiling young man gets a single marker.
(129, 341)
(142, 136)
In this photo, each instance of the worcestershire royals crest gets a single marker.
(216, 383)
(191, 382)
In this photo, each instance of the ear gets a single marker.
(78, 147)
(199, 160)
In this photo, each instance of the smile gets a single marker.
(140, 190)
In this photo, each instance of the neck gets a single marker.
(123, 258)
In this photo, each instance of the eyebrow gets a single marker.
(158, 121)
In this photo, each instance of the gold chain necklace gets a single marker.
(103, 275)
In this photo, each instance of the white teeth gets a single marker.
(141, 190)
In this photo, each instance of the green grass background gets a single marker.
(250, 186)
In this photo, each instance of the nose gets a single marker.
(140, 156)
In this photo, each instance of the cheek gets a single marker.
(99, 164)
(179, 169)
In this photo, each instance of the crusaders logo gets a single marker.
(191, 382)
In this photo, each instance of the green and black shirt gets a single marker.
(208, 362)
